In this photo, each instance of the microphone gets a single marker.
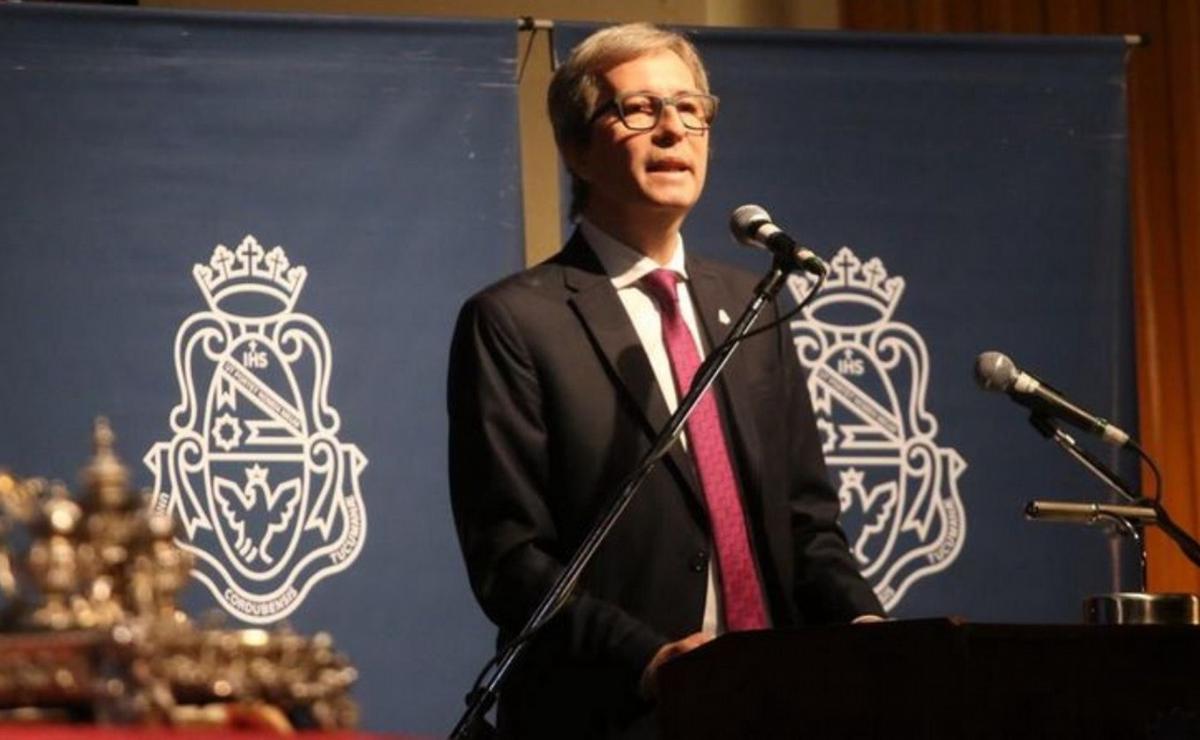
(752, 226)
(1065, 511)
(994, 371)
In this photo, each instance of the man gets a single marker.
(560, 377)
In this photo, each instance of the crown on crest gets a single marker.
(249, 270)
(850, 280)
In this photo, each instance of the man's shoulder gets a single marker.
(537, 298)
(551, 280)
(542, 282)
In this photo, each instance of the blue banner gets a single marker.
(970, 195)
(245, 239)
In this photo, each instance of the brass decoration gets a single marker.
(92, 629)
(112, 516)
(53, 562)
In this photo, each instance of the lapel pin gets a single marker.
(723, 317)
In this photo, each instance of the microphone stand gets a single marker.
(1094, 465)
(481, 700)
(1138, 607)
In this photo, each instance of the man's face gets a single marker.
(662, 169)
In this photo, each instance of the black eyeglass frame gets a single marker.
(661, 103)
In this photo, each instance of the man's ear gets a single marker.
(575, 158)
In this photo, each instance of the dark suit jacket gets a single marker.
(552, 402)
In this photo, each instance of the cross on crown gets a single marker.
(249, 269)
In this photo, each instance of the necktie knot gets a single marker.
(661, 286)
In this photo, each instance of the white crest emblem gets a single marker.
(868, 375)
(268, 497)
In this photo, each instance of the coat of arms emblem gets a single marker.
(267, 495)
(868, 376)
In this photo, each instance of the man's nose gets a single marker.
(670, 124)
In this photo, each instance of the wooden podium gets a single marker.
(937, 679)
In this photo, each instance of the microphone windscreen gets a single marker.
(994, 371)
(745, 221)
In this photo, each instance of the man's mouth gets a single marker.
(668, 165)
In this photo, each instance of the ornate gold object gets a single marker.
(92, 629)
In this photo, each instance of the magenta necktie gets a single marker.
(740, 588)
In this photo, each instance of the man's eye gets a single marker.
(638, 105)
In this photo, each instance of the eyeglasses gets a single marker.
(641, 111)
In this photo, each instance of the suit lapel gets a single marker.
(600, 309)
(716, 309)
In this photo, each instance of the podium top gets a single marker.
(934, 678)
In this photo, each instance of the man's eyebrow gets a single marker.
(674, 93)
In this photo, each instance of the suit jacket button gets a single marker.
(698, 562)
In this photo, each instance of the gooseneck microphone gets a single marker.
(994, 371)
(1089, 513)
(752, 226)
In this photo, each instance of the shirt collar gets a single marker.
(624, 264)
